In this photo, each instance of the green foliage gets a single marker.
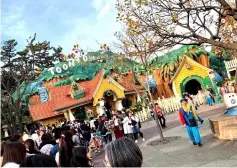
(217, 63)
(219, 84)
(81, 113)
(138, 107)
(171, 56)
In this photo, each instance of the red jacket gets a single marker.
(158, 111)
(181, 117)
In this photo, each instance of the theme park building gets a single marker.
(65, 101)
(66, 89)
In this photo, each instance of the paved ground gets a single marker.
(181, 152)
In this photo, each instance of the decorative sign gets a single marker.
(77, 91)
(78, 55)
(43, 94)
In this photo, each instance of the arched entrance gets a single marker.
(109, 98)
(193, 86)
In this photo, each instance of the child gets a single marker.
(95, 143)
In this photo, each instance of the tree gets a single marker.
(183, 21)
(17, 72)
(39, 53)
(139, 47)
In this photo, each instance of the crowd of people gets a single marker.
(71, 144)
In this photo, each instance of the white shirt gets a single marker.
(11, 165)
(127, 127)
(116, 123)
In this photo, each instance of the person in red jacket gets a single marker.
(160, 115)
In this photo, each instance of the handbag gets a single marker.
(192, 122)
(135, 129)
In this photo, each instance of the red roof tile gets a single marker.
(42, 111)
(127, 81)
(60, 99)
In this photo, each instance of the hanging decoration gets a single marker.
(104, 47)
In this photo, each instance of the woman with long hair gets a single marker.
(3, 145)
(64, 155)
(81, 157)
(14, 154)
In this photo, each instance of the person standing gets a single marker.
(151, 111)
(127, 127)
(189, 118)
(208, 98)
(160, 115)
(117, 132)
(136, 129)
(212, 93)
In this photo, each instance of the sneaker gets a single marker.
(194, 143)
(143, 139)
(135, 141)
(199, 144)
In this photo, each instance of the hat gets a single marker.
(183, 99)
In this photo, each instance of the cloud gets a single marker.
(13, 24)
(79, 22)
(103, 7)
(98, 4)
(87, 33)
(99, 26)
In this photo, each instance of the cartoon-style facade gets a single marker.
(63, 103)
(61, 91)
(191, 77)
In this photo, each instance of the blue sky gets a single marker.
(62, 22)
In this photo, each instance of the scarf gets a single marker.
(187, 109)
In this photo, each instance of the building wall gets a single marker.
(105, 85)
(188, 73)
(52, 120)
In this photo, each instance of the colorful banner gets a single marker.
(43, 94)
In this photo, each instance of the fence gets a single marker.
(170, 105)
(230, 66)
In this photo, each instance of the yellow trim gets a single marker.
(98, 86)
(105, 85)
(182, 63)
(117, 84)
